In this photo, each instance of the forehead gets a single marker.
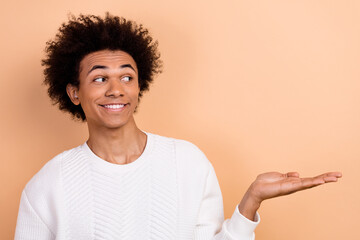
(106, 58)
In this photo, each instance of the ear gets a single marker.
(72, 92)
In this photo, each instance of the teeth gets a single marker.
(114, 106)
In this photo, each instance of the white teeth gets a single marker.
(114, 106)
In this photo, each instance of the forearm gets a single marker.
(249, 205)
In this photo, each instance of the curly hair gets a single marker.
(86, 34)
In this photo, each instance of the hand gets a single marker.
(274, 184)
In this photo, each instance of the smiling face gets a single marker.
(109, 90)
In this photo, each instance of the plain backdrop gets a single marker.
(258, 85)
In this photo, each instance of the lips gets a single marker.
(114, 106)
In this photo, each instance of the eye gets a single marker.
(126, 79)
(99, 79)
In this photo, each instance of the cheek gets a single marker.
(135, 96)
(134, 91)
(89, 95)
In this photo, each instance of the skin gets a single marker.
(274, 184)
(109, 77)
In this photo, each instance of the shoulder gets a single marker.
(187, 154)
(195, 173)
(46, 182)
(188, 151)
(43, 192)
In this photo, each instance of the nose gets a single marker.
(115, 89)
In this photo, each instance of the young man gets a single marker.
(124, 183)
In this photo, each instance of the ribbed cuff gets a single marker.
(239, 226)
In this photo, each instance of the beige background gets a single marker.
(257, 85)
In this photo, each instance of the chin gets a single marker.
(111, 123)
(114, 125)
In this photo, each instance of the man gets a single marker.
(124, 183)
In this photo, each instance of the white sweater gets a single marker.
(169, 192)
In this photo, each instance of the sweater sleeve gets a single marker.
(210, 223)
(29, 225)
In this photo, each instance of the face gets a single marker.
(108, 91)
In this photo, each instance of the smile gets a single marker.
(114, 107)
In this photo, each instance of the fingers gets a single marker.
(321, 179)
(327, 177)
(330, 176)
(311, 182)
(305, 183)
(330, 179)
(292, 174)
(335, 174)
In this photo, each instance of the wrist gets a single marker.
(249, 205)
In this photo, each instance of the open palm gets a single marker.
(274, 184)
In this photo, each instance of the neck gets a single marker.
(117, 145)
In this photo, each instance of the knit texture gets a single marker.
(169, 192)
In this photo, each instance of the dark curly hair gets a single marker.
(86, 34)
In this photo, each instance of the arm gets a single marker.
(29, 225)
(244, 220)
(273, 184)
(211, 224)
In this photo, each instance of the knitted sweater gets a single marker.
(169, 192)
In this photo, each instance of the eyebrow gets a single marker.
(105, 67)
